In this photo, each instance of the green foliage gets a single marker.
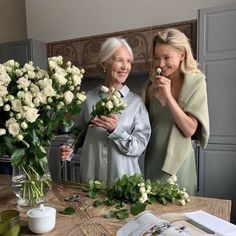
(136, 192)
(68, 211)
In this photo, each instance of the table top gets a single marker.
(89, 220)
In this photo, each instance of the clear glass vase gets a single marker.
(29, 187)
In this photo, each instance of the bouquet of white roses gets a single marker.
(110, 102)
(33, 103)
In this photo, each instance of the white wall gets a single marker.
(12, 20)
(56, 20)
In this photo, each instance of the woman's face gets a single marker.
(168, 59)
(118, 66)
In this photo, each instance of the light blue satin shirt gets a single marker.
(105, 156)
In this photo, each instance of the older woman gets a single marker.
(114, 143)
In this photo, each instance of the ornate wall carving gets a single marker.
(83, 52)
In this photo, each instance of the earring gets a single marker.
(104, 70)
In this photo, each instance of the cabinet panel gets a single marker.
(217, 173)
(217, 57)
(24, 51)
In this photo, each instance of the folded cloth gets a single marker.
(193, 100)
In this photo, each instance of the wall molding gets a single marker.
(83, 52)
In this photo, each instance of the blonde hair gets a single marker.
(178, 40)
(109, 47)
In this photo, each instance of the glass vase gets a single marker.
(29, 187)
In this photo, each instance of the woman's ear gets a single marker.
(182, 56)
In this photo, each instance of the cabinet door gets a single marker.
(24, 51)
(217, 57)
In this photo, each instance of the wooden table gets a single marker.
(89, 220)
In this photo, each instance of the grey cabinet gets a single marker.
(24, 51)
(217, 57)
(64, 170)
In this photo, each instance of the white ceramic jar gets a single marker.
(41, 219)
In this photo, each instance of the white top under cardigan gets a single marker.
(105, 156)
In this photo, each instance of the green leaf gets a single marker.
(137, 208)
(110, 214)
(97, 203)
(68, 211)
(122, 214)
(93, 194)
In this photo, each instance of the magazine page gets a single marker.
(147, 224)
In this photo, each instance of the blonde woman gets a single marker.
(176, 98)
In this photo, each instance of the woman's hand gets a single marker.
(161, 89)
(65, 152)
(163, 86)
(106, 122)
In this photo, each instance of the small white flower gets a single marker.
(104, 89)
(14, 129)
(19, 137)
(68, 97)
(7, 107)
(109, 105)
(31, 114)
(24, 125)
(81, 96)
(142, 190)
(2, 132)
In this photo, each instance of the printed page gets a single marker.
(217, 225)
(139, 225)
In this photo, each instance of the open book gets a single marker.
(198, 223)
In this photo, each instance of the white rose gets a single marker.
(104, 89)
(49, 91)
(31, 114)
(31, 74)
(3, 91)
(24, 125)
(142, 190)
(82, 71)
(115, 100)
(52, 65)
(76, 80)
(18, 72)
(68, 97)
(75, 70)
(19, 137)
(42, 98)
(29, 99)
(60, 71)
(28, 67)
(14, 129)
(23, 82)
(34, 89)
(2, 132)
(45, 82)
(10, 63)
(109, 105)
(16, 105)
(7, 107)
(117, 94)
(60, 79)
(1, 102)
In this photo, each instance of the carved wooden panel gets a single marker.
(83, 52)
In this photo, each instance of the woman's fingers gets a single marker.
(65, 152)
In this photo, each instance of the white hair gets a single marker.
(109, 47)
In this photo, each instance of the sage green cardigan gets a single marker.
(192, 99)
